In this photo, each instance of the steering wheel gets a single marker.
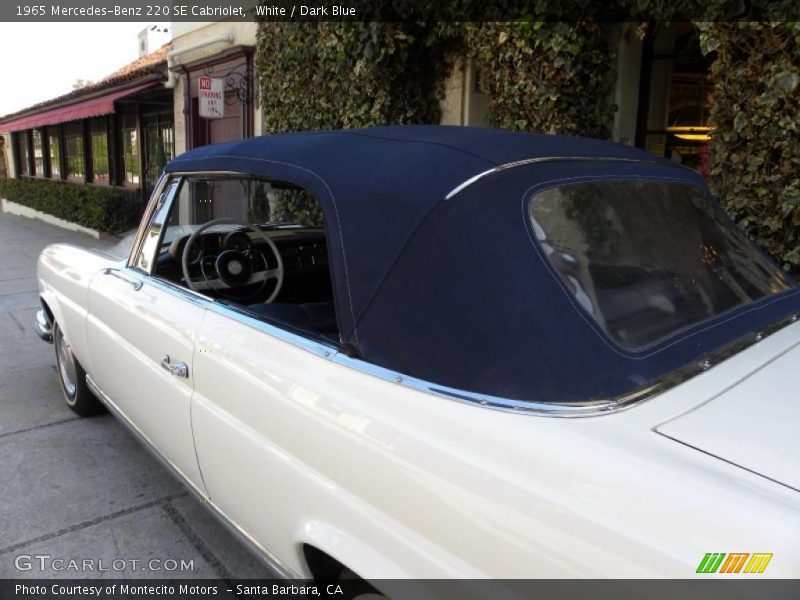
(233, 267)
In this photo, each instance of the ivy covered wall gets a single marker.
(333, 75)
(554, 77)
(540, 76)
(755, 147)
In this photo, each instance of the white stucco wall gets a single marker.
(452, 104)
(186, 35)
(462, 103)
(626, 87)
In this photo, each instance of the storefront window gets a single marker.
(23, 153)
(73, 145)
(130, 150)
(38, 153)
(100, 171)
(55, 153)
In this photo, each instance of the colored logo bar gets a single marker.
(734, 562)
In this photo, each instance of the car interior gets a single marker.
(254, 245)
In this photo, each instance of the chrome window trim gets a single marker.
(544, 159)
(590, 408)
(262, 552)
(147, 217)
(217, 173)
(317, 347)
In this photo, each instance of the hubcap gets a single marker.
(66, 366)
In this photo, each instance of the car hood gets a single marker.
(754, 424)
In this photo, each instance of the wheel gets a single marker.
(72, 378)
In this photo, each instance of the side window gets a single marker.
(259, 246)
(148, 248)
(251, 200)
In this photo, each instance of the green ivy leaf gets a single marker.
(787, 82)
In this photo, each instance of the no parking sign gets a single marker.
(212, 97)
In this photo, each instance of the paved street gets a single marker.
(77, 488)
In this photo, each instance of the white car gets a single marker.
(438, 352)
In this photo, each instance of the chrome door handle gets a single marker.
(178, 369)
(137, 285)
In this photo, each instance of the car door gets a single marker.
(141, 338)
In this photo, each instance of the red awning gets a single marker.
(99, 105)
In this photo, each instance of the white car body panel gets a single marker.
(296, 447)
(135, 330)
(754, 424)
(68, 270)
(281, 427)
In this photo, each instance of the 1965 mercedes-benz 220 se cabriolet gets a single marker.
(364, 348)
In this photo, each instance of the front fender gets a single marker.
(64, 273)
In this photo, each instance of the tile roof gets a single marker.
(153, 63)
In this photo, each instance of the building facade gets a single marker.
(120, 131)
(221, 51)
(661, 90)
(116, 133)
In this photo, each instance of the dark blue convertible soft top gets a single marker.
(439, 280)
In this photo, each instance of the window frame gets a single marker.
(153, 207)
(66, 156)
(171, 183)
(21, 140)
(42, 172)
(123, 172)
(528, 201)
(102, 123)
(54, 131)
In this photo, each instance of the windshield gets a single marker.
(646, 259)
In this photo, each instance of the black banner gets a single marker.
(734, 588)
(398, 10)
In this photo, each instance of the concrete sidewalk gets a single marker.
(83, 489)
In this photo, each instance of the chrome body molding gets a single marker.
(589, 408)
(545, 159)
(262, 553)
(318, 347)
(42, 327)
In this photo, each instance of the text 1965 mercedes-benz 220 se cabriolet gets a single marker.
(364, 348)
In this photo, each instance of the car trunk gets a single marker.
(755, 424)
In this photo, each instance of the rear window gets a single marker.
(646, 259)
